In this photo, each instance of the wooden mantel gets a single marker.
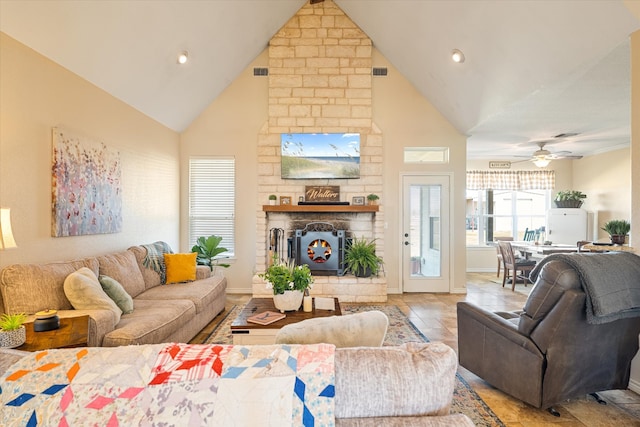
(320, 208)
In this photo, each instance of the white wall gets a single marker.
(36, 95)
(230, 126)
(634, 238)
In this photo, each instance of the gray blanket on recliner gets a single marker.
(610, 280)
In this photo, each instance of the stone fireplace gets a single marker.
(320, 81)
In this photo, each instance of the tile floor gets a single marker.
(435, 316)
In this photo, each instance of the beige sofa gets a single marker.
(162, 313)
(407, 385)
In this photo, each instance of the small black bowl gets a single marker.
(48, 324)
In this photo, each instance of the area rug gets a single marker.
(400, 330)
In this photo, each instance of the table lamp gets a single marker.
(6, 235)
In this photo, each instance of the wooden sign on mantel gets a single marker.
(322, 193)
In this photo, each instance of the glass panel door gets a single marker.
(426, 233)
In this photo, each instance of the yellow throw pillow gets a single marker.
(180, 267)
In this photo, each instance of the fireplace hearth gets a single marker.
(320, 246)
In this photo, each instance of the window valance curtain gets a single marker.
(511, 180)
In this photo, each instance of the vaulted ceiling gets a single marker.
(533, 69)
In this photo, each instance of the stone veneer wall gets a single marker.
(320, 81)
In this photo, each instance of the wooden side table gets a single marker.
(73, 332)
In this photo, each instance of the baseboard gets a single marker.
(481, 270)
(634, 386)
(240, 291)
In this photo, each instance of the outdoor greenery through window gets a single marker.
(212, 200)
(504, 213)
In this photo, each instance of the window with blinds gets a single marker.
(212, 200)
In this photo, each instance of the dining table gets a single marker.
(530, 250)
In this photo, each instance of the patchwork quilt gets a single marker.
(172, 385)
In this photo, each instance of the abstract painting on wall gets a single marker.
(86, 186)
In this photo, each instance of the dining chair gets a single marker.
(581, 243)
(529, 235)
(513, 265)
(498, 253)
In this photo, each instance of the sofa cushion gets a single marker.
(203, 293)
(29, 288)
(180, 267)
(151, 322)
(123, 267)
(388, 375)
(152, 278)
(116, 292)
(366, 329)
(457, 420)
(85, 293)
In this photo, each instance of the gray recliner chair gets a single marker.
(548, 352)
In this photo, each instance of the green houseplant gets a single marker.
(617, 230)
(569, 199)
(372, 199)
(208, 250)
(12, 331)
(288, 282)
(272, 199)
(360, 257)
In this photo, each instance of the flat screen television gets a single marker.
(320, 155)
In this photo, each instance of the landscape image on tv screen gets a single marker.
(320, 155)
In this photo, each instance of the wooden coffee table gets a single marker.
(246, 333)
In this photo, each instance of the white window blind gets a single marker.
(212, 200)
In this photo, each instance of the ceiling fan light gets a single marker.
(541, 162)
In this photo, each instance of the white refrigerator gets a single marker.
(568, 225)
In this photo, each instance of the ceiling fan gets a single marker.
(543, 157)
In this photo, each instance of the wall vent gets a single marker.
(260, 71)
(379, 71)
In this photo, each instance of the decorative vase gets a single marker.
(13, 339)
(289, 301)
(618, 239)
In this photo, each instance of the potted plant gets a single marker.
(289, 282)
(12, 331)
(617, 230)
(208, 250)
(372, 199)
(272, 199)
(360, 257)
(569, 199)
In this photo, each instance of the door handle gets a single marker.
(406, 243)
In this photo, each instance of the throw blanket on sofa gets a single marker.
(172, 384)
(610, 280)
(155, 258)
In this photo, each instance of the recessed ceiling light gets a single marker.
(457, 56)
(183, 57)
